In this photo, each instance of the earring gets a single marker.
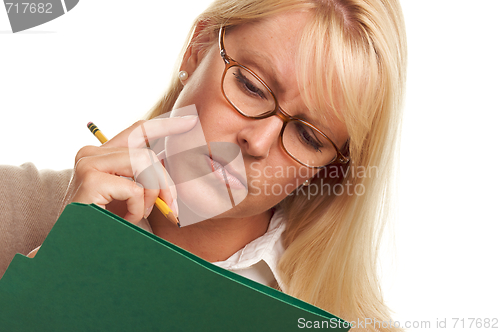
(306, 183)
(183, 75)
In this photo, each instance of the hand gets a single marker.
(102, 174)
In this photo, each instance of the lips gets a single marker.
(227, 174)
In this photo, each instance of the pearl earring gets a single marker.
(183, 75)
(306, 183)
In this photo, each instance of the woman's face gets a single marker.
(269, 48)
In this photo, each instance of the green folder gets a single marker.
(98, 272)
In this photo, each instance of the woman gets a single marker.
(334, 72)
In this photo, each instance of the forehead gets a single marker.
(270, 47)
(273, 39)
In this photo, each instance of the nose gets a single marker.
(259, 136)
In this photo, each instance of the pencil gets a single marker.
(159, 203)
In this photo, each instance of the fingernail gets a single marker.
(187, 117)
(175, 208)
(148, 211)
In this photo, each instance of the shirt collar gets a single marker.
(268, 247)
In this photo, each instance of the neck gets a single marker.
(214, 239)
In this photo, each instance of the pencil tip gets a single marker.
(170, 217)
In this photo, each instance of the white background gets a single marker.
(109, 61)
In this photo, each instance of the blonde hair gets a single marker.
(332, 241)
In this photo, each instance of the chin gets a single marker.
(200, 199)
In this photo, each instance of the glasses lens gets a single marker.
(307, 144)
(246, 93)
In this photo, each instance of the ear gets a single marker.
(197, 48)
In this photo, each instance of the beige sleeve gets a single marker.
(30, 202)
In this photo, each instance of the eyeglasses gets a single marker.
(254, 99)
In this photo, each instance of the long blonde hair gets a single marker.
(332, 240)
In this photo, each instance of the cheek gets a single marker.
(196, 94)
(214, 113)
(212, 121)
(276, 182)
(203, 85)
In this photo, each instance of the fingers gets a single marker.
(102, 188)
(169, 194)
(100, 180)
(137, 135)
(99, 171)
(156, 181)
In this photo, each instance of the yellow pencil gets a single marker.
(160, 204)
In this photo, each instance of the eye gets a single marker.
(249, 86)
(308, 136)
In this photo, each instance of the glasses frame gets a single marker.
(278, 111)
